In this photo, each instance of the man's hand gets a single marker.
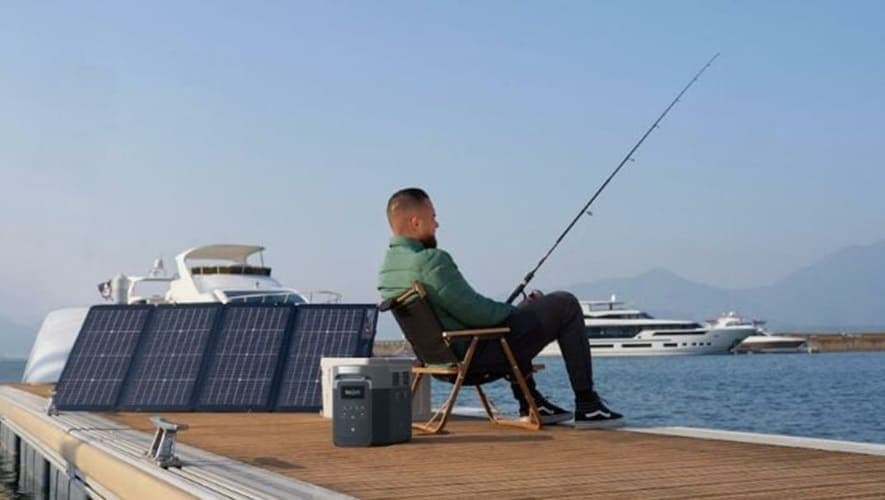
(530, 297)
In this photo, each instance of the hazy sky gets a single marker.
(134, 130)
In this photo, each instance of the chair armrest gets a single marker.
(477, 332)
(436, 369)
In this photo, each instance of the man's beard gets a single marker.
(429, 241)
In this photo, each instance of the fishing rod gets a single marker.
(586, 210)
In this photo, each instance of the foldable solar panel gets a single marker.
(243, 358)
(322, 330)
(98, 362)
(166, 366)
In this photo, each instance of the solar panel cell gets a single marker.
(243, 362)
(167, 363)
(100, 358)
(322, 330)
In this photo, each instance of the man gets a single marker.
(413, 256)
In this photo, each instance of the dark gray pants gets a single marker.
(553, 317)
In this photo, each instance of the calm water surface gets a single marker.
(830, 395)
(10, 371)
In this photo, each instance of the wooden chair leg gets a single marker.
(437, 422)
(431, 425)
(416, 380)
(534, 420)
(490, 411)
(495, 419)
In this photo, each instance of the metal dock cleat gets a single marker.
(51, 409)
(162, 450)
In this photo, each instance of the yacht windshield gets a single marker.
(251, 297)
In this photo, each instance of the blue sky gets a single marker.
(133, 130)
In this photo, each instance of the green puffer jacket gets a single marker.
(455, 302)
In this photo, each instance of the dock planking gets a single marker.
(475, 458)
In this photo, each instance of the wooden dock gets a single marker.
(477, 459)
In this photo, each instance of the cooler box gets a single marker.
(370, 405)
(420, 403)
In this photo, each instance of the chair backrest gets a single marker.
(420, 326)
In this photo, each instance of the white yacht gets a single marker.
(211, 273)
(763, 341)
(614, 330)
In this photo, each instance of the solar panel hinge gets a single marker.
(162, 451)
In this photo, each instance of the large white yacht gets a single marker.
(614, 330)
(212, 273)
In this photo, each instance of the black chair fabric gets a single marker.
(424, 332)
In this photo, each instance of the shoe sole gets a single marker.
(600, 424)
(552, 419)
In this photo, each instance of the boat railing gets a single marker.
(324, 297)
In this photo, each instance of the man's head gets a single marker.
(410, 213)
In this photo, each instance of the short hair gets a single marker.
(406, 199)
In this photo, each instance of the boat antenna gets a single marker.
(586, 209)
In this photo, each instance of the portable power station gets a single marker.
(371, 405)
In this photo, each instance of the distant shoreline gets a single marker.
(841, 342)
(818, 342)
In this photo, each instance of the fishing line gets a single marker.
(586, 210)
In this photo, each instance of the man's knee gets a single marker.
(565, 295)
(567, 299)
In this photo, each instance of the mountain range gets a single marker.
(843, 292)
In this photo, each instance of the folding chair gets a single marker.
(432, 346)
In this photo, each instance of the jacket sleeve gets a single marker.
(450, 291)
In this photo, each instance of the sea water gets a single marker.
(828, 395)
(9, 481)
(10, 371)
